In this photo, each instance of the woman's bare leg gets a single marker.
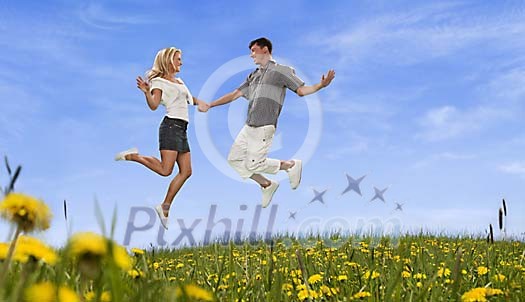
(184, 163)
(163, 167)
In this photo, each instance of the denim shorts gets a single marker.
(172, 135)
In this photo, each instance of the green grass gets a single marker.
(436, 269)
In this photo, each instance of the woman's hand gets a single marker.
(142, 85)
(203, 107)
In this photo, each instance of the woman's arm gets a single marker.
(152, 98)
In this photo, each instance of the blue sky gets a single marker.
(428, 101)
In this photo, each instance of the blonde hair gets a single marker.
(163, 60)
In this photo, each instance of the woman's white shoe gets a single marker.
(163, 219)
(122, 155)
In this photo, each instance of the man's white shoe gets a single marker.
(267, 193)
(294, 173)
(122, 155)
(163, 219)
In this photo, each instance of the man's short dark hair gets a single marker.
(261, 42)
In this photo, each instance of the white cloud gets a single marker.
(357, 147)
(422, 34)
(443, 156)
(344, 143)
(513, 168)
(508, 85)
(99, 16)
(449, 122)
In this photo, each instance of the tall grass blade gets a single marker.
(100, 218)
(11, 186)
(491, 233)
(65, 210)
(7, 165)
(113, 222)
(500, 219)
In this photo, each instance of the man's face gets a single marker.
(258, 54)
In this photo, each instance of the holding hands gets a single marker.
(203, 106)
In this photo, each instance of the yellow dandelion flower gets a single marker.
(372, 274)
(419, 284)
(287, 287)
(351, 264)
(29, 247)
(361, 295)
(135, 274)
(92, 297)
(17, 257)
(137, 251)
(47, 292)
(195, 292)
(474, 295)
(223, 287)
(482, 270)
(180, 265)
(302, 294)
(121, 257)
(300, 287)
(91, 250)
(315, 278)
(480, 294)
(4, 248)
(493, 292)
(443, 272)
(499, 277)
(313, 294)
(406, 274)
(27, 212)
(326, 290)
(89, 296)
(87, 243)
(420, 276)
(342, 277)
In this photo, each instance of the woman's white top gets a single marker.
(175, 97)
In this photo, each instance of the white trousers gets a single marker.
(248, 154)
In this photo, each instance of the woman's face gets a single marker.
(177, 62)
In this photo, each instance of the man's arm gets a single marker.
(227, 98)
(325, 81)
(202, 106)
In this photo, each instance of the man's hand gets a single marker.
(326, 80)
(142, 85)
(203, 107)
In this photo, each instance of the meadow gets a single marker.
(93, 267)
(411, 268)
